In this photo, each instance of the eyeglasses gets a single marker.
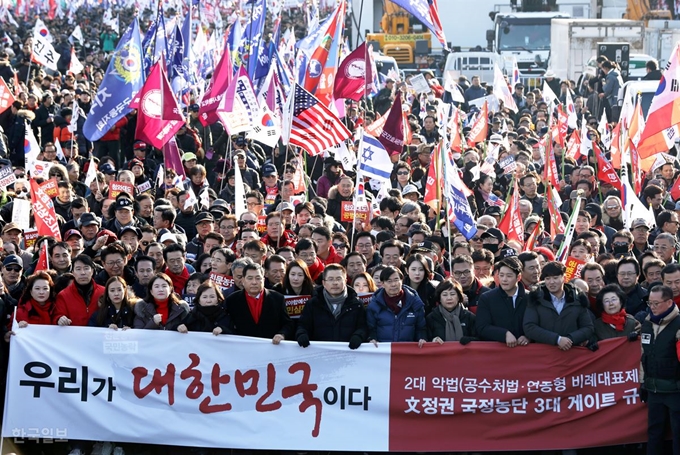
(338, 246)
(117, 263)
(13, 269)
(627, 274)
(463, 273)
(653, 304)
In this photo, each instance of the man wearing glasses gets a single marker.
(463, 273)
(660, 379)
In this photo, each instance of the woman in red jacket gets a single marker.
(37, 302)
(78, 302)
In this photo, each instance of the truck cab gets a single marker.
(526, 37)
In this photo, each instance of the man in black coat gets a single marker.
(500, 312)
(44, 118)
(256, 311)
(653, 73)
(334, 313)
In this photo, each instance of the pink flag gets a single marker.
(350, 81)
(216, 89)
(392, 135)
(159, 116)
(172, 157)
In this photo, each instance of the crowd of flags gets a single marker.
(273, 88)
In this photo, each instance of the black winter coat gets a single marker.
(317, 320)
(436, 325)
(544, 325)
(198, 321)
(274, 318)
(124, 318)
(496, 314)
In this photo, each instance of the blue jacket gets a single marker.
(408, 325)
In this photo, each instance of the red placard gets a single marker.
(30, 237)
(50, 187)
(543, 397)
(115, 188)
(574, 267)
(261, 224)
(295, 304)
(365, 298)
(43, 209)
(347, 212)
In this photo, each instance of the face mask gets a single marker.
(469, 165)
(493, 247)
(430, 98)
(620, 249)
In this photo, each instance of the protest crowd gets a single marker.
(415, 215)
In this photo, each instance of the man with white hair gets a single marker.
(488, 221)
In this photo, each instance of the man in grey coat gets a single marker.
(557, 313)
(612, 83)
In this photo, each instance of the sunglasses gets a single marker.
(250, 222)
(402, 173)
(13, 269)
(339, 245)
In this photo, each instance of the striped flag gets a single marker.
(374, 161)
(314, 127)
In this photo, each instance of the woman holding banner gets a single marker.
(37, 302)
(116, 306)
(614, 321)
(450, 320)
(162, 309)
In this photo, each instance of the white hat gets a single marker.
(408, 189)
(549, 73)
(169, 236)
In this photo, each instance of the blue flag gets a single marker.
(427, 13)
(458, 207)
(155, 42)
(374, 161)
(252, 36)
(123, 79)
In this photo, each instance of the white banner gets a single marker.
(21, 213)
(197, 389)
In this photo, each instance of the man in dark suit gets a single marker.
(500, 312)
(256, 311)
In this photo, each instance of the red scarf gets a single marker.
(43, 317)
(316, 269)
(178, 281)
(618, 320)
(163, 309)
(255, 305)
(393, 303)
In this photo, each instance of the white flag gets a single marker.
(31, 147)
(374, 161)
(73, 125)
(239, 193)
(60, 151)
(160, 177)
(205, 200)
(75, 66)
(549, 96)
(43, 52)
(603, 129)
(77, 34)
(91, 173)
(634, 208)
(586, 143)
(572, 118)
(42, 30)
(346, 157)
(191, 200)
(501, 90)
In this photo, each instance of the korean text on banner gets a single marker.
(132, 378)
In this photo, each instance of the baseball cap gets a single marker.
(188, 157)
(637, 222)
(285, 206)
(13, 259)
(522, 130)
(11, 227)
(139, 145)
(409, 189)
(492, 210)
(87, 219)
(220, 204)
(124, 203)
(204, 216)
(133, 229)
(269, 169)
(168, 236)
(194, 107)
(388, 80)
(135, 162)
(426, 245)
(240, 141)
(72, 232)
(107, 169)
(112, 237)
(493, 233)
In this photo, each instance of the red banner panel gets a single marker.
(487, 396)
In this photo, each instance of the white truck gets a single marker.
(660, 39)
(526, 37)
(574, 42)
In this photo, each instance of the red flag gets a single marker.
(615, 148)
(172, 157)
(531, 241)
(562, 126)
(511, 223)
(350, 81)
(159, 116)
(454, 124)
(314, 127)
(550, 175)
(392, 135)
(605, 170)
(556, 222)
(216, 89)
(434, 181)
(6, 96)
(574, 145)
(480, 127)
(43, 260)
(43, 209)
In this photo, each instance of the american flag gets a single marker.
(314, 127)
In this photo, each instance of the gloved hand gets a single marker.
(303, 340)
(465, 340)
(644, 395)
(355, 342)
(633, 336)
(593, 346)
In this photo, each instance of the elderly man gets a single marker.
(665, 247)
(256, 311)
(334, 313)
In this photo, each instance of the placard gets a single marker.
(146, 186)
(115, 188)
(50, 187)
(40, 169)
(419, 84)
(21, 213)
(295, 304)
(30, 237)
(224, 282)
(347, 212)
(7, 177)
(574, 267)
